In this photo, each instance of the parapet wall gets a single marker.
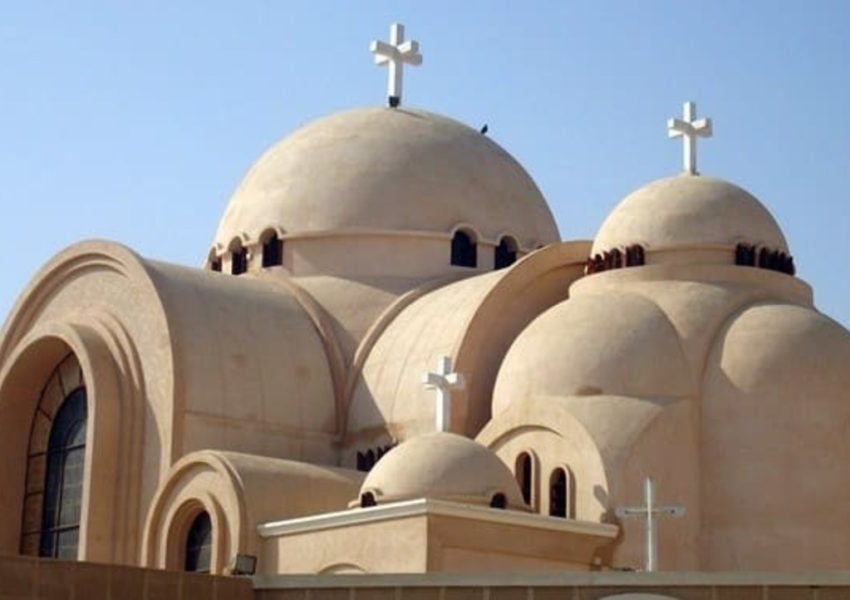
(25, 577)
(559, 586)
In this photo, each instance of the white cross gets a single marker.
(444, 381)
(650, 512)
(689, 129)
(395, 55)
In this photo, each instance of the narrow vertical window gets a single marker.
(505, 253)
(464, 252)
(558, 494)
(63, 487)
(199, 544)
(272, 251)
(525, 476)
(239, 261)
(562, 494)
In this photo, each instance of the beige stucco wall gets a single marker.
(239, 491)
(473, 321)
(430, 541)
(730, 394)
(174, 360)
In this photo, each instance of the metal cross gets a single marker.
(650, 512)
(444, 381)
(689, 129)
(395, 55)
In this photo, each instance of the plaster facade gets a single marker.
(285, 400)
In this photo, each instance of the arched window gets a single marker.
(499, 501)
(505, 253)
(272, 251)
(464, 252)
(561, 494)
(525, 476)
(63, 484)
(214, 261)
(238, 261)
(199, 544)
(367, 499)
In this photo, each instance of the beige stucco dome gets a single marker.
(442, 466)
(687, 211)
(389, 170)
(593, 345)
(775, 408)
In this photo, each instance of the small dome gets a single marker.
(388, 169)
(592, 345)
(442, 466)
(689, 210)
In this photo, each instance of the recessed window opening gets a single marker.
(505, 253)
(199, 544)
(464, 251)
(525, 476)
(63, 487)
(499, 501)
(238, 260)
(558, 494)
(272, 250)
(367, 499)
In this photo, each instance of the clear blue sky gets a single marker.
(134, 121)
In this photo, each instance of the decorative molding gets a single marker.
(424, 506)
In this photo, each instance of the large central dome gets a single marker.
(388, 169)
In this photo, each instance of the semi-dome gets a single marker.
(688, 211)
(442, 466)
(592, 345)
(384, 169)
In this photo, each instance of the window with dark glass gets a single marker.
(524, 476)
(558, 493)
(63, 487)
(199, 544)
(239, 261)
(499, 501)
(464, 253)
(272, 251)
(505, 253)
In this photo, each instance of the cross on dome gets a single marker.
(650, 513)
(444, 381)
(689, 129)
(395, 55)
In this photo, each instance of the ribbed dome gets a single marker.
(388, 169)
(442, 466)
(688, 210)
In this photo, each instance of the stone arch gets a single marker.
(202, 481)
(111, 467)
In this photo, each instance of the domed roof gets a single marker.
(689, 210)
(444, 466)
(388, 169)
(592, 345)
(775, 352)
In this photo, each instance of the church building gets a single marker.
(390, 362)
